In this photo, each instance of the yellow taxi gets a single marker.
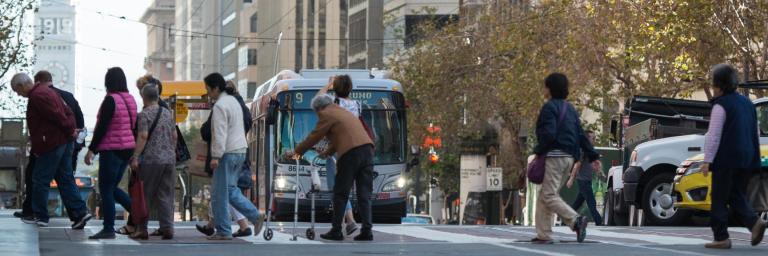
(691, 188)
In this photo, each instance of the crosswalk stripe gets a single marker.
(657, 239)
(429, 234)
(561, 231)
(119, 239)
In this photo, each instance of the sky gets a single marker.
(125, 42)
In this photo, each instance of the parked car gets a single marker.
(691, 187)
(418, 219)
(646, 178)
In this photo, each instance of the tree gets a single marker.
(488, 68)
(15, 46)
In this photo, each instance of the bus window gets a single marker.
(382, 111)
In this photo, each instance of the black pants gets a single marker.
(354, 166)
(26, 205)
(728, 191)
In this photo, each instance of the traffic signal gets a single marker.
(433, 158)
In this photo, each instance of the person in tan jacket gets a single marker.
(354, 149)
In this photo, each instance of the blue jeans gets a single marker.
(56, 164)
(330, 176)
(586, 194)
(226, 193)
(111, 170)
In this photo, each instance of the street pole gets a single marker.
(277, 51)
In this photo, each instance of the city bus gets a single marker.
(283, 118)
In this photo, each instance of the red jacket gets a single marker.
(50, 122)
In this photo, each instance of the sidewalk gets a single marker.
(17, 238)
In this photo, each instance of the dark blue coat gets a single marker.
(739, 143)
(568, 136)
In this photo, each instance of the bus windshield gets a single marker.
(383, 111)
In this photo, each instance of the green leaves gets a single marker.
(489, 68)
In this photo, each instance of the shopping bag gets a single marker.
(139, 211)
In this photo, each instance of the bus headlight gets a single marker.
(394, 185)
(283, 184)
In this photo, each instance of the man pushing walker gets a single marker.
(354, 149)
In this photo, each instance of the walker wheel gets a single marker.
(268, 234)
(310, 234)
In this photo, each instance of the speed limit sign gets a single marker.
(493, 179)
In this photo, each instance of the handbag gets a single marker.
(537, 167)
(139, 211)
(182, 151)
(244, 181)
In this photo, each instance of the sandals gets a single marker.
(126, 230)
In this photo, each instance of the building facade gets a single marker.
(160, 17)
(55, 44)
(314, 36)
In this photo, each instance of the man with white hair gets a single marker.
(354, 149)
(52, 132)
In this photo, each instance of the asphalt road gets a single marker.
(58, 239)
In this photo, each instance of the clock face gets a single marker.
(59, 72)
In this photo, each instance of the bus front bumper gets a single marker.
(383, 210)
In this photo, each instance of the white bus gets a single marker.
(283, 118)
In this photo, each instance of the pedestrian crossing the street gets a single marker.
(648, 240)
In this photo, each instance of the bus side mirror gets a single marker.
(274, 105)
(415, 150)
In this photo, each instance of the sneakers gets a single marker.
(725, 244)
(29, 219)
(205, 229)
(258, 225)
(758, 231)
(218, 237)
(351, 228)
(364, 236)
(580, 227)
(333, 235)
(241, 233)
(80, 223)
(103, 234)
(19, 214)
(33, 220)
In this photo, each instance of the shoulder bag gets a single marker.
(537, 167)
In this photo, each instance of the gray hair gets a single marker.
(725, 77)
(150, 93)
(321, 101)
(21, 79)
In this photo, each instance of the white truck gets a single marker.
(645, 180)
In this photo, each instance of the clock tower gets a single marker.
(55, 42)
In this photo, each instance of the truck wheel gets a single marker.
(610, 215)
(658, 205)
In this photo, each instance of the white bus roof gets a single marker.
(315, 79)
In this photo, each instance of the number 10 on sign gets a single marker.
(494, 179)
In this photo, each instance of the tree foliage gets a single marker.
(488, 68)
(15, 45)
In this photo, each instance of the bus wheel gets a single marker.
(310, 234)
